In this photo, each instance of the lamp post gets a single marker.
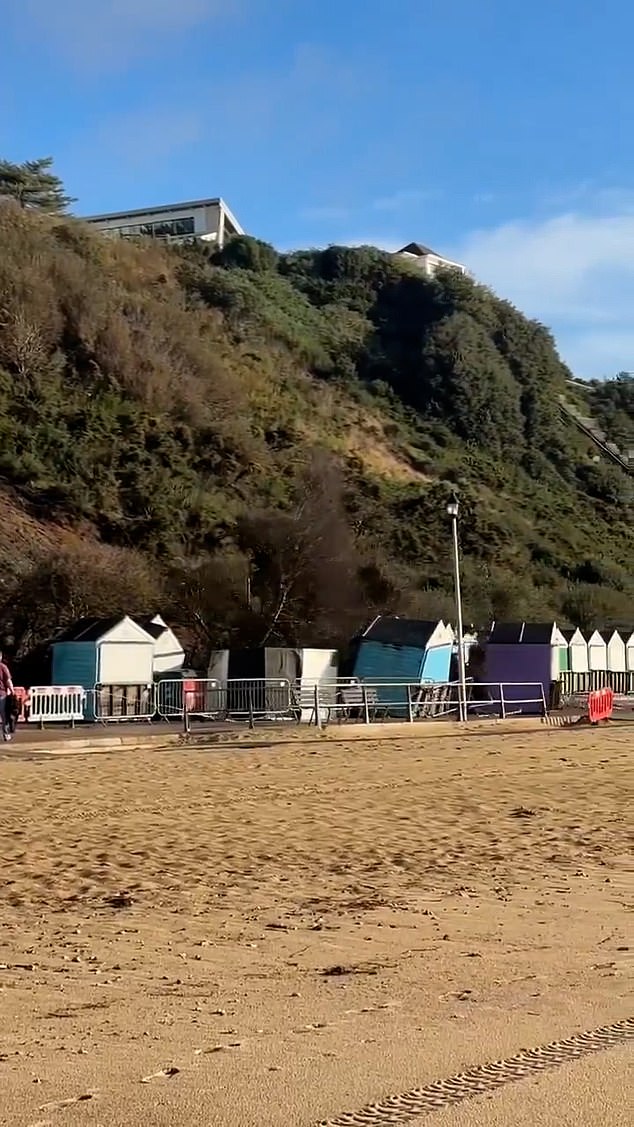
(453, 509)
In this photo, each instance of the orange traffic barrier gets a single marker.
(600, 705)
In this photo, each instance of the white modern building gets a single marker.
(427, 260)
(210, 220)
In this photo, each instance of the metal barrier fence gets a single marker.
(505, 696)
(205, 699)
(267, 700)
(110, 703)
(399, 700)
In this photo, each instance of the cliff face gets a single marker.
(292, 420)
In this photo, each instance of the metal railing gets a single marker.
(268, 700)
(121, 703)
(263, 699)
(370, 702)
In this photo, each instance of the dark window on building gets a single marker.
(160, 229)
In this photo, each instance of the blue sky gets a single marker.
(496, 131)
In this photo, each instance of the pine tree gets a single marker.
(34, 186)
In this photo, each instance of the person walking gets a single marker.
(6, 692)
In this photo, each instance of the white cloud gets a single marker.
(404, 198)
(574, 272)
(325, 214)
(110, 33)
(147, 138)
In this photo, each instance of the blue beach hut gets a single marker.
(403, 650)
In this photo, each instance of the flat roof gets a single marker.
(165, 209)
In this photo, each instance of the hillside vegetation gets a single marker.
(264, 444)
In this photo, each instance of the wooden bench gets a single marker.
(350, 704)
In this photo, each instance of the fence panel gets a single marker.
(198, 696)
(57, 704)
(368, 702)
(350, 699)
(205, 699)
(111, 703)
(506, 698)
(574, 683)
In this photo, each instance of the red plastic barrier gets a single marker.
(193, 696)
(600, 705)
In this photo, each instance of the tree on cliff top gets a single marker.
(33, 185)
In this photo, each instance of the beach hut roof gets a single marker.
(148, 623)
(574, 634)
(525, 633)
(95, 629)
(608, 633)
(401, 631)
(88, 629)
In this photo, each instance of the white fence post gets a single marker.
(502, 703)
(364, 698)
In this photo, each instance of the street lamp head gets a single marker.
(453, 506)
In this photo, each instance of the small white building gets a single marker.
(103, 651)
(628, 638)
(169, 655)
(577, 651)
(597, 652)
(616, 651)
(209, 220)
(428, 261)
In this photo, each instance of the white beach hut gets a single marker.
(577, 651)
(617, 657)
(597, 652)
(169, 655)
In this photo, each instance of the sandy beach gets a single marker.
(275, 937)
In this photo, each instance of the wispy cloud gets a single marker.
(146, 138)
(288, 111)
(112, 33)
(302, 100)
(573, 271)
(405, 198)
(325, 214)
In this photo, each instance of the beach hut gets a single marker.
(320, 667)
(169, 654)
(629, 650)
(403, 651)
(261, 674)
(616, 651)
(597, 652)
(523, 656)
(577, 651)
(106, 651)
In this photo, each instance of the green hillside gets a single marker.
(263, 444)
